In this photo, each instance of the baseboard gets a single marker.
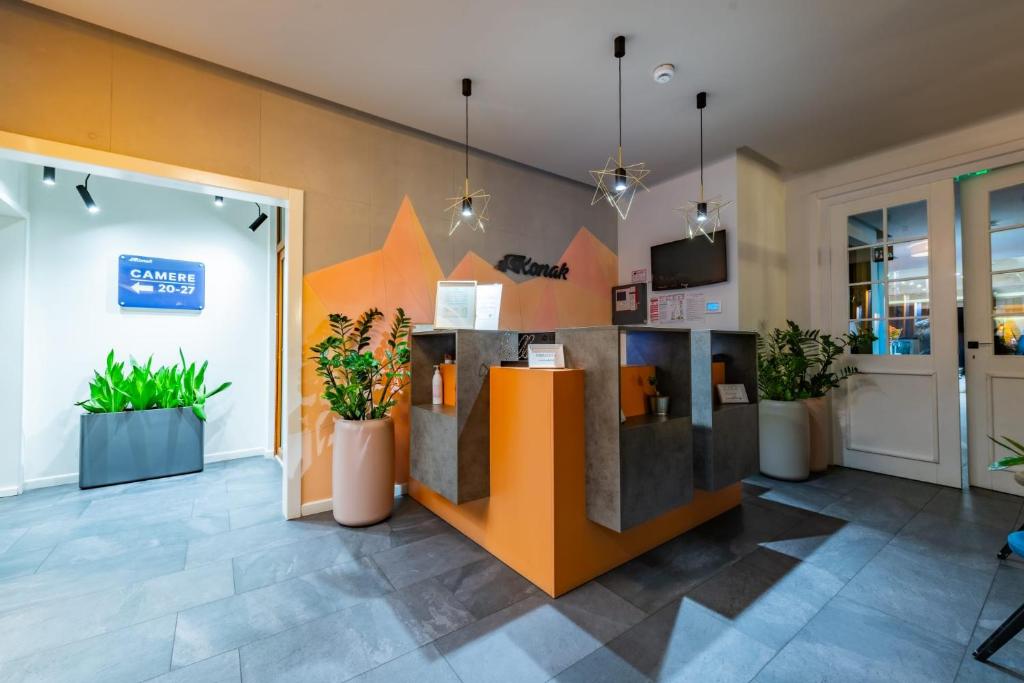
(55, 480)
(9, 491)
(235, 455)
(315, 507)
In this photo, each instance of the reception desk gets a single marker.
(535, 518)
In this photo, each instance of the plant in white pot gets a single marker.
(1016, 448)
(794, 375)
(362, 388)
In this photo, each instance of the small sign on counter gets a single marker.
(732, 393)
(545, 356)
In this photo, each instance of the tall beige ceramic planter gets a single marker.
(819, 411)
(363, 476)
(785, 439)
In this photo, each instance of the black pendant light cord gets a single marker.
(467, 137)
(620, 107)
(701, 110)
(86, 183)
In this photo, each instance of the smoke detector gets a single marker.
(664, 73)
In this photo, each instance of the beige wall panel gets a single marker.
(183, 112)
(335, 230)
(54, 79)
(316, 147)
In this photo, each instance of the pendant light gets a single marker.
(617, 183)
(703, 217)
(470, 207)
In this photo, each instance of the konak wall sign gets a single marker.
(524, 265)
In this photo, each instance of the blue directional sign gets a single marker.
(147, 282)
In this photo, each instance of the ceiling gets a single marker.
(805, 83)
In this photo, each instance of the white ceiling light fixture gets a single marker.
(664, 73)
(703, 217)
(469, 207)
(617, 182)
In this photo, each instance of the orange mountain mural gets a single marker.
(404, 272)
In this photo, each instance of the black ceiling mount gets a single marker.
(467, 87)
(702, 99)
(620, 47)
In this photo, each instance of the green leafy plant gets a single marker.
(143, 388)
(653, 382)
(794, 364)
(1015, 447)
(358, 384)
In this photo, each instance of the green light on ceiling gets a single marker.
(972, 174)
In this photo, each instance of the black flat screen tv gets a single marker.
(689, 262)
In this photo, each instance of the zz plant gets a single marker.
(358, 384)
(794, 364)
(1015, 447)
(143, 388)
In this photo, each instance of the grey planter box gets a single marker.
(116, 448)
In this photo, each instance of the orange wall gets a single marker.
(375, 232)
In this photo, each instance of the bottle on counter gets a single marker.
(437, 386)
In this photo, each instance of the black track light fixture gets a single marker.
(259, 219)
(83, 191)
(49, 175)
(218, 201)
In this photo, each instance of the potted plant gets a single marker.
(795, 374)
(142, 423)
(658, 401)
(362, 388)
(1006, 462)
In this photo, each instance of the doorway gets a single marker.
(993, 256)
(893, 269)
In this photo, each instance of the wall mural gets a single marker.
(404, 272)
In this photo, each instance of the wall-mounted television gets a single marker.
(689, 262)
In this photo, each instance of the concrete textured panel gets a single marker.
(725, 438)
(432, 453)
(656, 469)
(183, 113)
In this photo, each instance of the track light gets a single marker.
(83, 190)
(218, 201)
(259, 219)
(49, 175)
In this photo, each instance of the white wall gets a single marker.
(13, 188)
(73, 318)
(12, 311)
(763, 258)
(652, 220)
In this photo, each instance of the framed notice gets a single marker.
(488, 307)
(732, 393)
(455, 305)
(545, 356)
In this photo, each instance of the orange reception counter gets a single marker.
(534, 514)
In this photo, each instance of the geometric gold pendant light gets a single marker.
(469, 208)
(703, 216)
(618, 182)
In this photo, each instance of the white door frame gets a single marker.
(982, 365)
(935, 374)
(33, 150)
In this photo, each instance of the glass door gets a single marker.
(993, 252)
(893, 263)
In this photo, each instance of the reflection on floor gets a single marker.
(849, 577)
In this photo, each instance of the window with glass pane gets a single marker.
(1006, 220)
(888, 278)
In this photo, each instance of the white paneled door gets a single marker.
(893, 261)
(993, 253)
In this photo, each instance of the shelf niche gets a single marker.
(639, 469)
(725, 436)
(449, 447)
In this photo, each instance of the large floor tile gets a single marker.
(229, 623)
(1004, 596)
(847, 641)
(426, 558)
(744, 528)
(54, 623)
(355, 640)
(882, 512)
(800, 496)
(258, 537)
(16, 563)
(264, 567)
(767, 595)
(537, 638)
(978, 505)
(841, 480)
(223, 668)
(942, 597)
(1005, 666)
(916, 493)
(9, 534)
(132, 654)
(952, 540)
(686, 642)
(259, 513)
(841, 547)
(486, 586)
(425, 665)
(603, 665)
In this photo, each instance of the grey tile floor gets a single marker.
(849, 577)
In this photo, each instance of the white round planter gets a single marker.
(819, 411)
(363, 471)
(784, 439)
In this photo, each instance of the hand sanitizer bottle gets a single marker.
(437, 385)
